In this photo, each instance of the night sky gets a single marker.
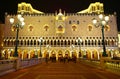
(50, 6)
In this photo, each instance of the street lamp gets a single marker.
(40, 40)
(103, 22)
(79, 43)
(18, 25)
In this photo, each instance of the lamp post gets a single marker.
(79, 43)
(102, 22)
(40, 40)
(19, 24)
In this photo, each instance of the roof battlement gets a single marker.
(96, 7)
(27, 8)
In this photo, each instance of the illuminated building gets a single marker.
(61, 30)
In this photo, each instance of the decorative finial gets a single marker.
(60, 11)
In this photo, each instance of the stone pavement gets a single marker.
(57, 70)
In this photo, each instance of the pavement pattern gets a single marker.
(58, 70)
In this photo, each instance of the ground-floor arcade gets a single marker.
(58, 52)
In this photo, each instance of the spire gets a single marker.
(60, 11)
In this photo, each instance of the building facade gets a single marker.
(62, 34)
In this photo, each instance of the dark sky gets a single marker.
(50, 6)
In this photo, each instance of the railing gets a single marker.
(104, 63)
(112, 65)
(7, 66)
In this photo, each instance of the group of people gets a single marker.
(61, 59)
(67, 59)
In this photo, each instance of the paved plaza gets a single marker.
(60, 70)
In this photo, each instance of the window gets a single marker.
(70, 22)
(30, 28)
(89, 28)
(74, 28)
(78, 22)
(60, 28)
(46, 28)
(107, 28)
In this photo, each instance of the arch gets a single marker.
(112, 42)
(52, 52)
(68, 42)
(62, 42)
(74, 27)
(34, 42)
(107, 28)
(58, 42)
(86, 42)
(99, 43)
(90, 27)
(51, 42)
(89, 42)
(95, 54)
(88, 54)
(92, 43)
(65, 42)
(60, 28)
(67, 53)
(46, 27)
(21, 43)
(54, 42)
(28, 42)
(30, 27)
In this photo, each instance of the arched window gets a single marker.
(90, 27)
(34, 42)
(112, 42)
(54, 42)
(88, 42)
(31, 42)
(58, 43)
(28, 42)
(72, 42)
(74, 28)
(46, 28)
(45, 42)
(70, 22)
(85, 42)
(105, 42)
(98, 42)
(68, 42)
(30, 28)
(51, 42)
(22, 7)
(60, 28)
(107, 28)
(65, 42)
(25, 42)
(92, 42)
(95, 42)
(21, 42)
(109, 42)
(78, 22)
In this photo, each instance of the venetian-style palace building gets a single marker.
(60, 33)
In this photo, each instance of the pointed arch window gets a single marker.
(46, 28)
(107, 28)
(30, 28)
(74, 28)
(90, 27)
(60, 28)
